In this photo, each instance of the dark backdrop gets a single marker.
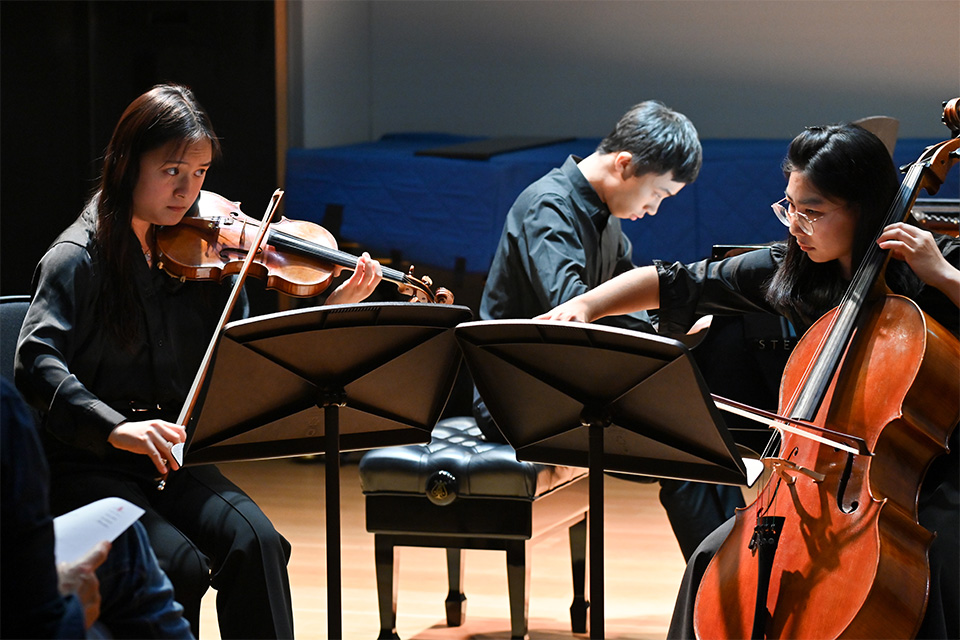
(67, 71)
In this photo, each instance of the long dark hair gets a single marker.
(842, 161)
(164, 114)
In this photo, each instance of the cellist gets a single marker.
(840, 183)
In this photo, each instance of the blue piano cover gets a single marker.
(435, 210)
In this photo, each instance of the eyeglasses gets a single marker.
(782, 209)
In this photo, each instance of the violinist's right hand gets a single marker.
(152, 438)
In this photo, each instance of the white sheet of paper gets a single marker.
(79, 530)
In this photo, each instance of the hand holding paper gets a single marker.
(78, 531)
(80, 579)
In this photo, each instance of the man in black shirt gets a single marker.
(562, 237)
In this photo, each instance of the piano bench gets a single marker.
(461, 492)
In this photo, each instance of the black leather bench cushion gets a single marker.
(482, 469)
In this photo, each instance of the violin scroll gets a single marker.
(421, 290)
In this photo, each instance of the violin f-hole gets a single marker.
(228, 254)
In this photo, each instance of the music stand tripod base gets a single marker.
(325, 380)
(633, 403)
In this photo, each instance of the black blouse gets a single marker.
(75, 373)
(737, 285)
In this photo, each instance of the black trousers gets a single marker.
(205, 532)
(695, 509)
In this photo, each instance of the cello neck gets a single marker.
(926, 173)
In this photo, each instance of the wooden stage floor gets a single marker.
(643, 565)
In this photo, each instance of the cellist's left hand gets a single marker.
(917, 247)
(360, 284)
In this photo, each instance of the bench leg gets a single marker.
(456, 601)
(578, 558)
(388, 566)
(518, 586)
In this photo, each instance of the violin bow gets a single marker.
(193, 396)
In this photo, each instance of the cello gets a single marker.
(831, 547)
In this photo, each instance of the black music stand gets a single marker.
(325, 380)
(602, 398)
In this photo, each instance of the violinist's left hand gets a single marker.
(360, 284)
(917, 247)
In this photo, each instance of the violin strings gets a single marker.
(340, 258)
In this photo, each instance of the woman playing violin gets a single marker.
(840, 183)
(108, 351)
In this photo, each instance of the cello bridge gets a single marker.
(788, 470)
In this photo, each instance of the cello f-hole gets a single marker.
(842, 504)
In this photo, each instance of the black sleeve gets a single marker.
(731, 286)
(52, 330)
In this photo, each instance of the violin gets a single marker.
(298, 258)
(831, 547)
(213, 241)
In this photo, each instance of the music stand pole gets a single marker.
(331, 401)
(299, 380)
(596, 528)
(623, 390)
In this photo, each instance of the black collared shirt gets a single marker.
(76, 374)
(559, 240)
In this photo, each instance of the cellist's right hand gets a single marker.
(152, 438)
